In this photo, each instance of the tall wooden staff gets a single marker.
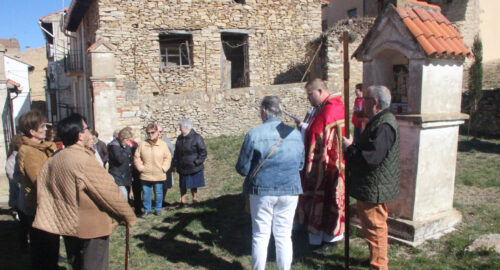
(127, 236)
(347, 131)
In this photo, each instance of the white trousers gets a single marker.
(272, 213)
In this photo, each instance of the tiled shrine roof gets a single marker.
(433, 31)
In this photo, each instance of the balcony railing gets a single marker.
(73, 61)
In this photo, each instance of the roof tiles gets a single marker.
(433, 31)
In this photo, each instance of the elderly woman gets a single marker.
(152, 159)
(120, 161)
(189, 154)
(44, 246)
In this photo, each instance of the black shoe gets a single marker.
(157, 213)
(166, 204)
(145, 214)
(322, 249)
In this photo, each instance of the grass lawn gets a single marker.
(216, 234)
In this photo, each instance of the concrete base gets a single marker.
(415, 233)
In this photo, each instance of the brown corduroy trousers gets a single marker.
(373, 219)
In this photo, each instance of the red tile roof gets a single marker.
(435, 34)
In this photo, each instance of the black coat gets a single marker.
(120, 163)
(190, 153)
(103, 151)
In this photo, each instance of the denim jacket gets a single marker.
(279, 175)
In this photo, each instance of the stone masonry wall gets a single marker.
(233, 111)
(357, 29)
(487, 120)
(278, 35)
(465, 16)
(278, 32)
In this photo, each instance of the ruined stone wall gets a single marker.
(278, 34)
(233, 111)
(487, 119)
(357, 29)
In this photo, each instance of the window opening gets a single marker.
(240, 1)
(176, 50)
(352, 13)
(234, 62)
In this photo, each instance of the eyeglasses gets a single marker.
(151, 132)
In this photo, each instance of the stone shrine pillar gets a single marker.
(104, 87)
(423, 69)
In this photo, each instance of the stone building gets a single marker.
(36, 58)
(210, 61)
(62, 92)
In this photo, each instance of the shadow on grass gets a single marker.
(11, 256)
(332, 259)
(479, 145)
(225, 226)
(221, 233)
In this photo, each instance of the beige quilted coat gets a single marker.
(152, 160)
(77, 197)
(30, 160)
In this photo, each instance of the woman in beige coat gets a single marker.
(152, 159)
(34, 152)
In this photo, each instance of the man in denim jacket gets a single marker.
(271, 157)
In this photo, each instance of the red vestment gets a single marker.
(322, 206)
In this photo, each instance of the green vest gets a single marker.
(381, 184)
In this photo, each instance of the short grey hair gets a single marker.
(186, 123)
(272, 105)
(382, 94)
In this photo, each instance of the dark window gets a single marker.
(234, 71)
(352, 13)
(240, 1)
(176, 50)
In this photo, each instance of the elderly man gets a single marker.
(321, 206)
(374, 160)
(78, 199)
(271, 157)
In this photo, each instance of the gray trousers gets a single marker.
(87, 254)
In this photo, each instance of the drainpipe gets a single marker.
(13, 122)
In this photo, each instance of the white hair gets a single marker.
(186, 123)
(382, 94)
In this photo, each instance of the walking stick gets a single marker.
(347, 133)
(127, 234)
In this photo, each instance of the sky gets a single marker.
(19, 19)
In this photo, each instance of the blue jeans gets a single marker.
(146, 188)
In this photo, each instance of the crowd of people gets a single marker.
(301, 172)
(82, 188)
